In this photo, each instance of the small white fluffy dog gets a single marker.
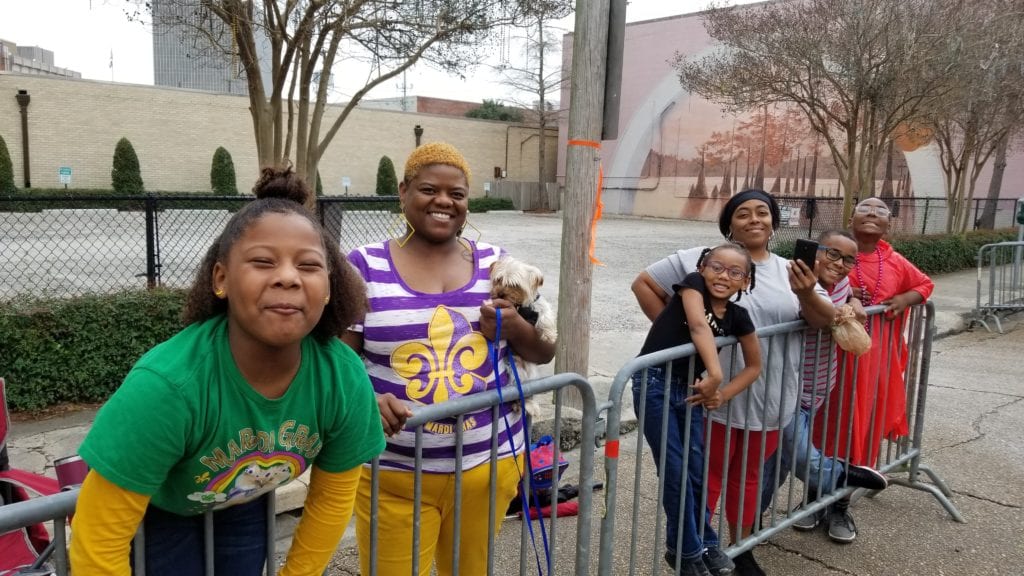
(519, 283)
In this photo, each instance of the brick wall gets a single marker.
(427, 105)
(77, 123)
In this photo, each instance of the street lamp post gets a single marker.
(418, 132)
(23, 99)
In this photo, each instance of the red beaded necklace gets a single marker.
(878, 282)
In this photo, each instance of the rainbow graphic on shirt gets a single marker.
(250, 477)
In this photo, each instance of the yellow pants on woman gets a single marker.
(437, 519)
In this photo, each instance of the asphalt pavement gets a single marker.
(975, 411)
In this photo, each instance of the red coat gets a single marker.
(879, 372)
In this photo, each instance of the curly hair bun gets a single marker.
(281, 182)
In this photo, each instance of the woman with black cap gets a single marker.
(785, 291)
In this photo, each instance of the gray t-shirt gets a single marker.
(770, 302)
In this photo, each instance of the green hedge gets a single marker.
(487, 203)
(29, 200)
(79, 350)
(936, 253)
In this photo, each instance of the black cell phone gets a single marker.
(806, 250)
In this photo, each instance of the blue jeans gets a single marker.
(675, 489)
(810, 464)
(174, 544)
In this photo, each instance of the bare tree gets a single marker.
(307, 38)
(535, 76)
(984, 103)
(858, 70)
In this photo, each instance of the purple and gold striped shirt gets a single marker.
(427, 348)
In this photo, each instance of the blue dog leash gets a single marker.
(495, 356)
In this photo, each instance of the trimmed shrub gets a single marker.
(938, 253)
(222, 174)
(80, 349)
(387, 181)
(126, 176)
(6, 170)
(487, 203)
(935, 253)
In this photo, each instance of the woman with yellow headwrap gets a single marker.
(425, 341)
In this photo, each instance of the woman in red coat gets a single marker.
(880, 276)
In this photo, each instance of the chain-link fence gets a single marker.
(57, 247)
(808, 217)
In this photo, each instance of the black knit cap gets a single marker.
(750, 194)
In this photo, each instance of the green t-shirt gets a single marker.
(187, 429)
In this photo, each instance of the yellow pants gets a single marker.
(437, 519)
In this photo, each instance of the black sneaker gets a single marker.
(686, 567)
(747, 566)
(863, 477)
(717, 562)
(841, 527)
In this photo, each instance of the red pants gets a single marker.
(745, 482)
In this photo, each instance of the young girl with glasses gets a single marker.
(701, 310)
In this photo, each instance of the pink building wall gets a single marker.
(660, 120)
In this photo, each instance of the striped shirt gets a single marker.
(821, 364)
(426, 349)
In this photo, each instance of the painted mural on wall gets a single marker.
(680, 156)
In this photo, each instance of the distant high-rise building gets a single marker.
(184, 57)
(31, 60)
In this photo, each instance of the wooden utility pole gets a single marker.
(582, 168)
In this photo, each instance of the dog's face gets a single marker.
(515, 281)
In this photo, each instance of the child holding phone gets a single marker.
(701, 310)
(835, 253)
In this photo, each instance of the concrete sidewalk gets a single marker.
(975, 409)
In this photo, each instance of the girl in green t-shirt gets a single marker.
(255, 390)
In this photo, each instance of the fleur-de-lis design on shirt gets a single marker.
(453, 361)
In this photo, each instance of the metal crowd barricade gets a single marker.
(59, 507)
(456, 409)
(1000, 268)
(778, 508)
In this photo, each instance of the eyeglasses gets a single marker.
(880, 211)
(835, 256)
(735, 273)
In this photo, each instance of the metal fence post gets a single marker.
(151, 274)
(924, 224)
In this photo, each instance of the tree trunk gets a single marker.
(542, 116)
(583, 161)
(995, 186)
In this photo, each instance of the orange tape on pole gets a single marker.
(599, 208)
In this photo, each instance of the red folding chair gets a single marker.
(20, 548)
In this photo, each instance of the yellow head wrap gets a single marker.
(435, 153)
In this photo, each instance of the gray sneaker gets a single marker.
(809, 522)
(686, 567)
(841, 527)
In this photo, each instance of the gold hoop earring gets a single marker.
(464, 241)
(400, 228)
(219, 293)
(327, 299)
(462, 230)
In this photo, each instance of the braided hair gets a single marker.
(751, 268)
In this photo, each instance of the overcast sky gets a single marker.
(86, 35)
